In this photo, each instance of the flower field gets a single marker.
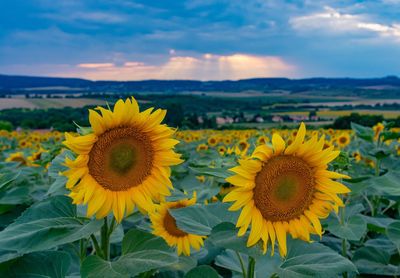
(132, 197)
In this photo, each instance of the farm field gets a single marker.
(39, 103)
(132, 197)
(332, 114)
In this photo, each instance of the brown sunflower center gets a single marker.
(121, 158)
(284, 188)
(171, 227)
(343, 140)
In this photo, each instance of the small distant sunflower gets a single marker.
(124, 162)
(202, 147)
(262, 140)
(164, 225)
(212, 141)
(343, 140)
(378, 128)
(285, 189)
(221, 150)
(18, 157)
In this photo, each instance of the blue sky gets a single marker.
(199, 39)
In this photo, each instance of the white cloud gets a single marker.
(331, 21)
(95, 17)
(206, 67)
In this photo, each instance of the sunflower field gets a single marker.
(129, 196)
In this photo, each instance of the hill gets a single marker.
(22, 84)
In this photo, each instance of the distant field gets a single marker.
(35, 103)
(341, 102)
(388, 114)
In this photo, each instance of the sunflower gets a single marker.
(343, 140)
(164, 225)
(262, 140)
(212, 141)
(378, 128)
(285, 189)
(18, 157)
(202, 147)
(124, 162)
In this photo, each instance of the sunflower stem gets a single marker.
(105, 239)
(241, 264)
(344, 243)
(251, 268)
(97, 246)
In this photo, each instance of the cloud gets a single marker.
(331, 21)
(205, 67)
(95, 17)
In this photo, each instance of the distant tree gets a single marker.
(4, 125)
(344, 122)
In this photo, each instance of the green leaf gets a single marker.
(56, 167)
(8, 177)
(137, 240)
(265, 266)
(377, 224)
(50, 264)
(46, 225)
(386, 185)
(200, 219)
(15, 196)
(313, 260)
(393, 233)
(94, 266)
(202, 271)
(214, 172)
(353, 229)
(370, 260)
(225, 235)
(363, 132)
(141, 252)
(184, 264)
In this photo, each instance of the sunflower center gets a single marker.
(121, 158)
(343, 140)
(171, 227)
(284, 188)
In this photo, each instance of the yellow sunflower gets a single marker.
(164, 225)
(18, 157)
(285, 189)
(378, 128)
(343, 140)
(124, 162)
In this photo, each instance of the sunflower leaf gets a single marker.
(45, 225)
(313, 260)
(141, 252)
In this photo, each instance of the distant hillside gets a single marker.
(20, 84)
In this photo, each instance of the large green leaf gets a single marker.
(50, 264)
(225, 236)
(45, 225)
(386, 185)
(313, 260)
(353, 229)
(202, 271)
(7, 176)
(200, 219)
(363, 132)
(56, 167)
(393, 233)
(141, 252)
(265, 266)
(376, 261)
(214, 172)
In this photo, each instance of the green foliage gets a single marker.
(344, 122)
(5, 125)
